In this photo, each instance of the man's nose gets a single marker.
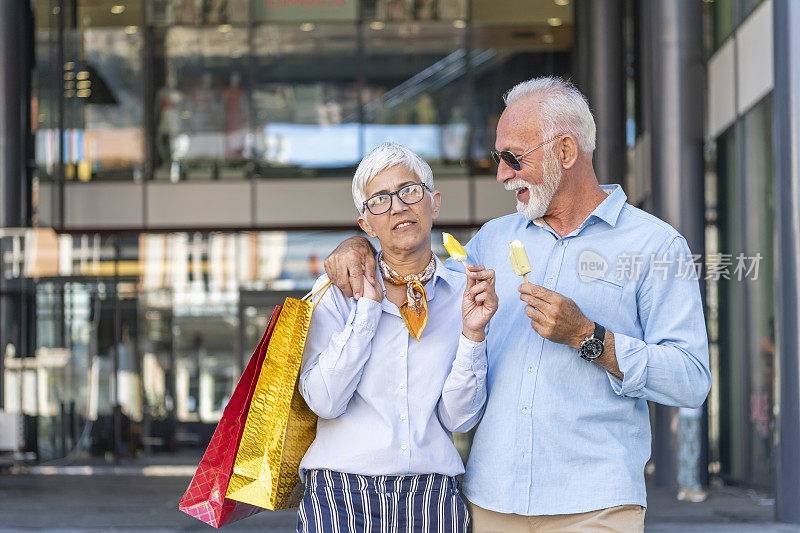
(504, 172)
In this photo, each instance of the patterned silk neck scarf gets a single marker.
(414, 309)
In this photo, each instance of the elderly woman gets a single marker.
(389, 374)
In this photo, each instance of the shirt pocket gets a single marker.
(599, 299)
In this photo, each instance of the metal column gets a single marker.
(600, 67)
(16, 53)
(677, 90)
(786, 145)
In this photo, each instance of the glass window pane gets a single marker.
(756, 252)
(202, 103)
(503, 56)
(300, 12)
(197, 12)
(724, 20)
(521, 11)
(416, 89)
(103, 93)
(305, 101)
(46, 92)
(406, 10)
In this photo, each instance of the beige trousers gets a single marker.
(621, 519)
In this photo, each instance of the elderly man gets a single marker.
(612, 317)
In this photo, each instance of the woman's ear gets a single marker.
(436, 198)
(364, 225)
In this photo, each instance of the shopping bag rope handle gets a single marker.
(311, 294)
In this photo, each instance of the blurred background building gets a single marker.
(172, 169)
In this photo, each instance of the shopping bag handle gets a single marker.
(311, 294)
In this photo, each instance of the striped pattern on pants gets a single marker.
(335, 502)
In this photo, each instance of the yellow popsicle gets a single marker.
(519, 260)
(454, 248)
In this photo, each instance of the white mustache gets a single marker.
(515, 184)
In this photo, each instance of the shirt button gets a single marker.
(403, 447)
(524, 410)
(402, 354)
(402, 386)
(561, 243)
(530, 369)
(402, 417)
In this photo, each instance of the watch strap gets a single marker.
(599, 332)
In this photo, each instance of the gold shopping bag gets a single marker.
(280, 426)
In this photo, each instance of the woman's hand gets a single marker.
(372, 289)
(479, 302)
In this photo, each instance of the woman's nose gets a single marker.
(398, 206)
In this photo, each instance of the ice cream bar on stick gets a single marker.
(519, 260)
(455, 249)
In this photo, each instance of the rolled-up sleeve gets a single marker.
(669, 365)
(464, 390)
(335, 353)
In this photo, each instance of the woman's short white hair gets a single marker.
(382, 158)
(562, 109)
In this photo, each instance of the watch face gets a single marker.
(591, 349)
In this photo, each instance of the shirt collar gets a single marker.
(608, 210)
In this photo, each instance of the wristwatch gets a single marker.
(592, 346)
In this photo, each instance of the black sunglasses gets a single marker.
(512, 160)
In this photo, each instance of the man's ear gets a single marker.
(364, 225)
(567, 152)
(436, 198)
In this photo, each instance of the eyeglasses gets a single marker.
(409, 195)
(514, 161)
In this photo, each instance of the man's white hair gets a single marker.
(382, 158)
(562, 109)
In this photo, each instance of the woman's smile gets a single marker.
(403, 225)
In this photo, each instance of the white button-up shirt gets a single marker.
(388, 403)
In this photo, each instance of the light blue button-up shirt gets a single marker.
(388, 403)
(560, 434)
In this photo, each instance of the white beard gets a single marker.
(539, 196)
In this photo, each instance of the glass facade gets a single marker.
(746, 334)
(155, 326)
(176, 90)
(140, 337)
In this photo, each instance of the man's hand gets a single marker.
(554, 316)
(349, 263)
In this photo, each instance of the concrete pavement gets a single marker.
(128, 502)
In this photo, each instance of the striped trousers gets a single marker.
(335, 502)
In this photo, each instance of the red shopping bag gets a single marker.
(205, 498)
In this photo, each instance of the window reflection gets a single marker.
(305, 98)
(415, 91)
(236, 89)
(202, 107)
